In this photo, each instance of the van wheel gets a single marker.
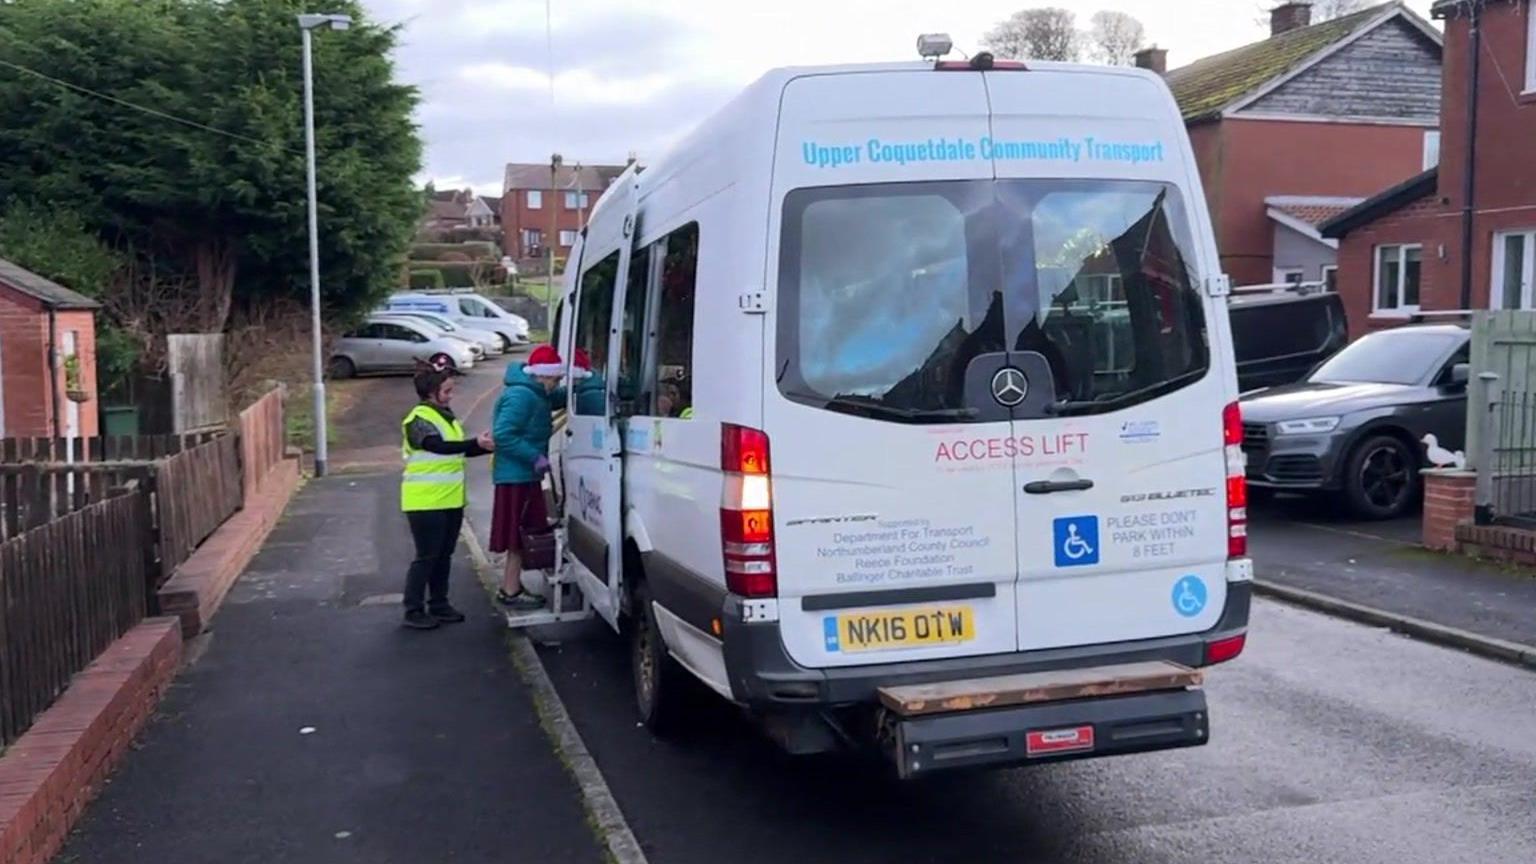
(659, 680)
(342, 368)
(1381, 479)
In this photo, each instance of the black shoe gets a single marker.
(416, 619)
(446, 614)
(522, 601)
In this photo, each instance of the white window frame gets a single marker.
(535, 199)
(567, 238)
(1401, 310)
(1282, 275)
(1431, 148)
(1334, 269)
(1530, 46)
(1527, 278)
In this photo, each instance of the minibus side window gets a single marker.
(674, 323)
(594, 316)
(633, 333)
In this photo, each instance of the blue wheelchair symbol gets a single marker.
(829, 632)
(1076, 541)
(1189, 596)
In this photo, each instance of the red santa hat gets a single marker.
(582, 364)
(545, 362)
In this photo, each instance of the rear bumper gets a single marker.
(764, 677)
(1096, 727)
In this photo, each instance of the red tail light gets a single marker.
(746, 513)
(1223, 650)
(1237, 482)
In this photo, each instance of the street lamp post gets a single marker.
(307, 24)
(554, 234)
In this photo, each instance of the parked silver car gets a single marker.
(487, 341)
(384, 345)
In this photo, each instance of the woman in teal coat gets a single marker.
(521, 427)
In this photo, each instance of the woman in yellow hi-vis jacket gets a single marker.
(432, 492)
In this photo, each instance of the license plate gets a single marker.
(903, 628)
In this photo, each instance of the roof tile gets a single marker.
(1206, 87)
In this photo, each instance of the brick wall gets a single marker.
(23, 362)
(1423, 222)
(29, 408)
(53, 771)
(1448, 501)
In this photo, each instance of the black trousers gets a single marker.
(436, 533)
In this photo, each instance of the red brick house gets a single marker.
(531, 209)
(47, 357)
(1302, 125)
(1437, 243)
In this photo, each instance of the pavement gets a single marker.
(313, 729)
(1303, 544)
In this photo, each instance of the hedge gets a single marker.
(428, 279)
(472, 251)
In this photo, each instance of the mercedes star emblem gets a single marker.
(1009, 387)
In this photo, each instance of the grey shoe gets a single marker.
(522, 601)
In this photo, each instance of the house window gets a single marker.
(535, 199)
(1290, 275)
(1331, 278)
(575, 200)
(567, 238)
(1397, 279)
(1431, 148)
(1514, 270)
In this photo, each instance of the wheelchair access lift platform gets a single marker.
(564, 600)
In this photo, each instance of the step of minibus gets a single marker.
(1043, 717)
(565, 603)
(915, 700)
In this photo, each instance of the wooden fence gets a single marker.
(193, 483)
(263, 440)
(70, 587)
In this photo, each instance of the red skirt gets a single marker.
(517, 509)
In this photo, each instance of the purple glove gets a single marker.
(541, 465)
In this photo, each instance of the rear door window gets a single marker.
(889, 292)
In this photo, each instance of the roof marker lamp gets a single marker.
(932, 46)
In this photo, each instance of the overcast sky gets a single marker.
(635, 75)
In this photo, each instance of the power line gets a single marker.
(153, 112)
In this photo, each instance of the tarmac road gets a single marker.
(1331, 742)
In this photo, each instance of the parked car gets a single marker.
(1355, 424)
(1282, 335)
(393, 345)
(485, 341)
(466, 308)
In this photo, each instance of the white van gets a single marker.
(914, 416)
(470, 310)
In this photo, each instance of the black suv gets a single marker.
(1357, 423)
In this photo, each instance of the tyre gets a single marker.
(1381, 478)
(660, 683)
(342, 368)
(506, 344)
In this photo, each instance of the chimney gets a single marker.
(1153, 58)
(1289, 16)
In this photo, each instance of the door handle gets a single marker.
(1046, 487)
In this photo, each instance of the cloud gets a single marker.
(637, 76)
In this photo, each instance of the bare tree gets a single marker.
(1115, 37)
(1046, 33)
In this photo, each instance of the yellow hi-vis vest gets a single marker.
(432, 481)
